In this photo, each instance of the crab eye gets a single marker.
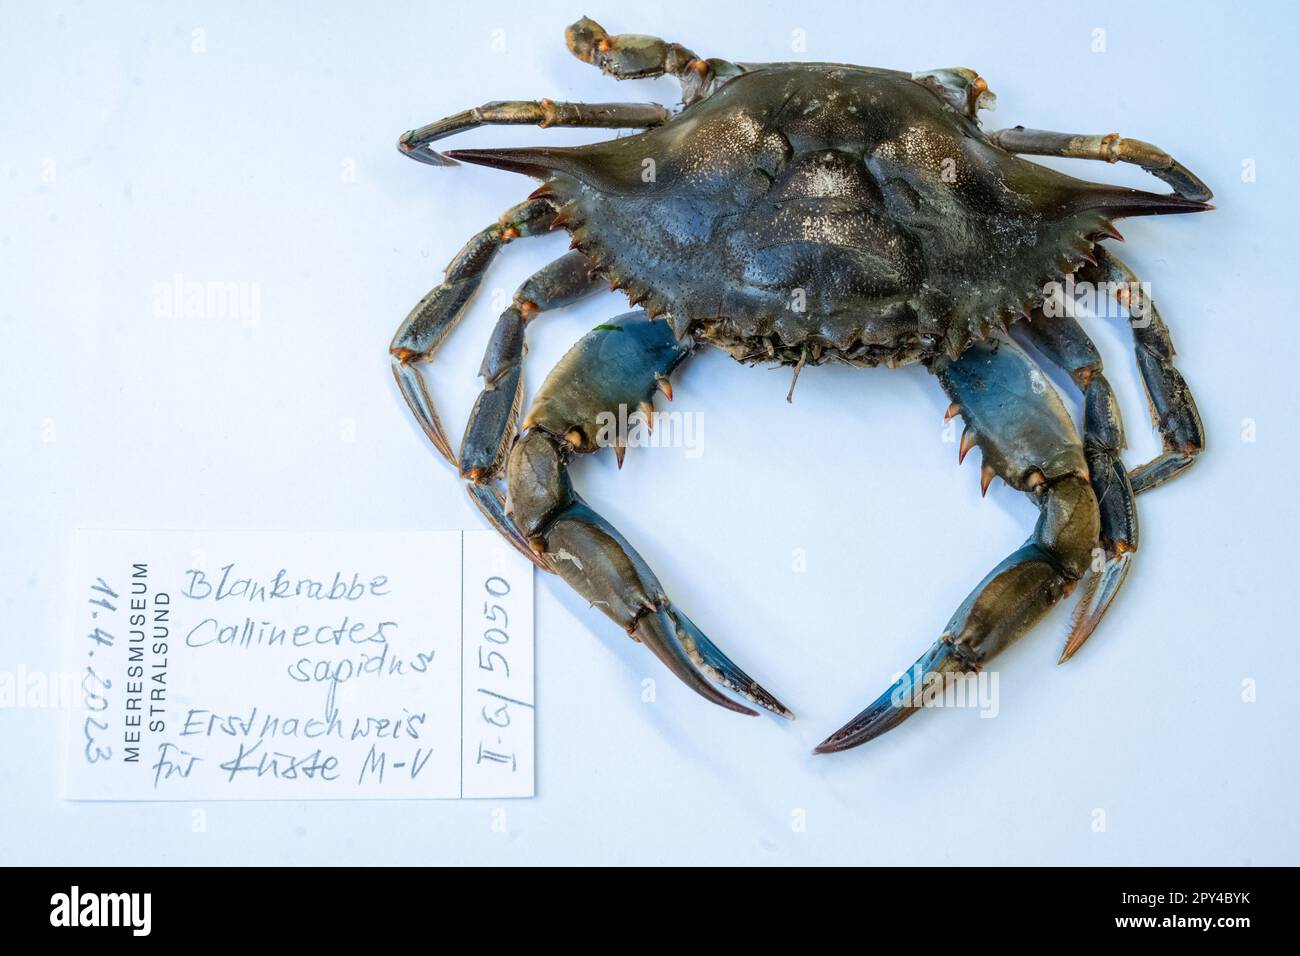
(964, 90)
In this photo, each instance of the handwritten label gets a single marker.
(220, 665)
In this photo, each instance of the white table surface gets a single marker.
(128, 158)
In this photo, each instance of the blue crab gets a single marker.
(797, 214)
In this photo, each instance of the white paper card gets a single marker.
(251, 665)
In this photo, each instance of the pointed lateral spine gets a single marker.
(967, 443)
(569, 216)
(986, 478)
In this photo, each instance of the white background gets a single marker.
(129, 158)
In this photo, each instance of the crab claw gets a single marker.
(903, 698)
(1027, 438)
(716, 665)
(1099, 590)
(677, 642)
(589, 553)
(618, 365)
(658, 632)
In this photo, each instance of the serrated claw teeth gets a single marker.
(986, 478)
(1099, 591)
(722, 670)
(953, 411)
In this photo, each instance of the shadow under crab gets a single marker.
(798, 214)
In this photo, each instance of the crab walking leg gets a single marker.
(1026, 436)
(628, 56)
(613, 369)
(1172, 407)
(434, 316)
(1063, 341)
(492, 421)
(1111, 148)
(544, 113)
